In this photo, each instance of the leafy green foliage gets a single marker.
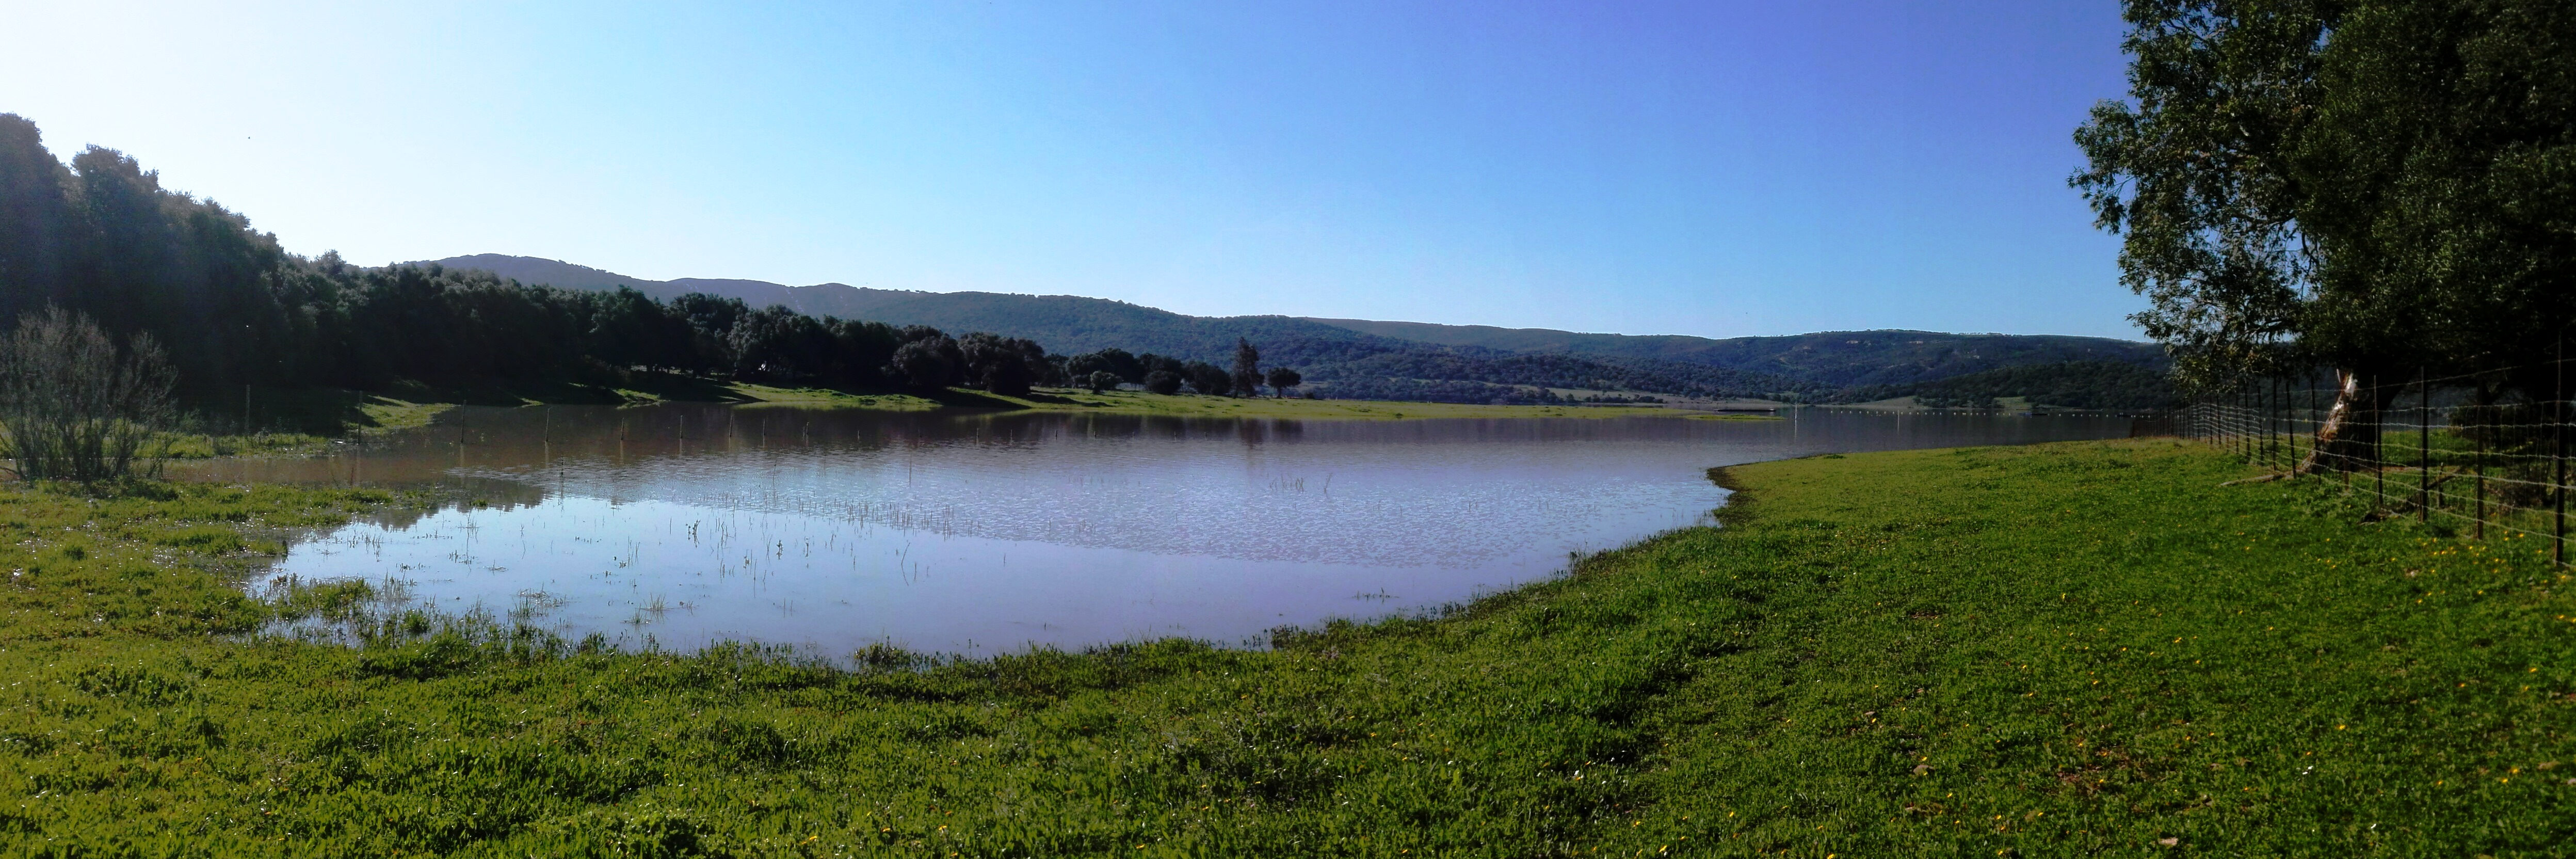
(2443, 168)
(2198, 177)
(2377, 185)
(1394, 369)
(2074, 384)
(2067, 649)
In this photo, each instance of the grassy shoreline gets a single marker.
(1194, 405)
(2061, 649)
(301, 421)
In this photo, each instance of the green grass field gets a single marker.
(1194, 405)
(1176, 405)
(302, 421)
(2075, 649)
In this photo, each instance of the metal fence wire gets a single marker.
(2454, 451)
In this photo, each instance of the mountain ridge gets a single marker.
(1073, 324)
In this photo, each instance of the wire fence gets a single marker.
(2464, 451)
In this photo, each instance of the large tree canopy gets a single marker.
(2200, 177)
(2380, 186)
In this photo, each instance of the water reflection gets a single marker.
(975, 532)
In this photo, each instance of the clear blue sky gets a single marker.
(1712, 168)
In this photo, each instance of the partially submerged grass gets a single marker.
(2060, 650)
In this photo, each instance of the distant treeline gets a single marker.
(1413, 370)
(2106, 385)
(101, 236)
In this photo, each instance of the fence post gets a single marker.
(2320, 422)
(2263, 423)
(2479, 466)
(2289, 409)
(2378, 443)
(2423, 447)
(2558, 461)
(2289, 423)
(2271, 413)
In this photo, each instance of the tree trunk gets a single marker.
(2348, 438)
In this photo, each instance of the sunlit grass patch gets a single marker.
(1197, 405)
(2059, 650)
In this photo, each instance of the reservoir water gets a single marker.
(681, 525)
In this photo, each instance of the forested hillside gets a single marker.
(1064, 323)
(1408, 360)
(2110, 385)
(1835, 358)
(100, 235)
(1342, 362)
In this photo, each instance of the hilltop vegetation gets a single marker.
(1833, 359)
(2071, 649)
(100, 235)
(1073, 324)
(2108, 385)
(1417, 361)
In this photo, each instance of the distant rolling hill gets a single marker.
(1837, 358)
(1062, 323)
(1405, 359)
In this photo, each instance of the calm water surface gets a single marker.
(682, 525)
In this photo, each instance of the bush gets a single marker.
(928, 363)
(75, 407)
(1208, 379)
(1282, 379)
(1163, 382)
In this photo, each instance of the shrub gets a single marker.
(73, 406)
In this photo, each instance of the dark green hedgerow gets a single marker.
(2060, 650)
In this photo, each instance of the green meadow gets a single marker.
(2071, 649)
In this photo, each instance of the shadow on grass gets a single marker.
(678, 388)
(963, 398)
(308, 411)
(336, 412)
